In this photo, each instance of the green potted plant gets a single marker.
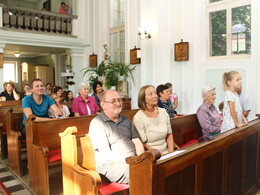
(118, 71)
(96, 73)
(110, 74)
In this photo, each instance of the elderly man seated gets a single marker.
(114, 138)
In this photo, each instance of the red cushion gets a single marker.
(109, 188)
(189, 143)
(4, 128)
(54, 155)
(190, 134)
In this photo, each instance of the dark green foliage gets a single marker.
(109, 74)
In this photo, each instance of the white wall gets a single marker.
(171, 21)
(200, 71)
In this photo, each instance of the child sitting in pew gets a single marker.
(63, 108)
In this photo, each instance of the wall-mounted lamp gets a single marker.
(144, 35)
(17, 54)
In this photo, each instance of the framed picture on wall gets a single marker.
(1, 60)
(93, 60)
(134, 57)
(181, 51)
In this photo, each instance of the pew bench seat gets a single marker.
(194, 141)
(82, 177)
(54, 156)
(78, 165)
(186, 130)
(109, 188)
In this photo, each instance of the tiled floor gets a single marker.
(11, 182)
(18, 186)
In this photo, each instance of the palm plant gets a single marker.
(117, 70)
(109, 74)
(96, 73)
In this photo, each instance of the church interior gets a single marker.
(189, 44)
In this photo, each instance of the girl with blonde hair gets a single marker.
(232, 112)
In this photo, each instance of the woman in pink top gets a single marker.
(84, 104)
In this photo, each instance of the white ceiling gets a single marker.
(30, 51)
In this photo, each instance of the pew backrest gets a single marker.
(14, 119)
(46, 133)
(229, 164)
(185, 128)
(5, 106)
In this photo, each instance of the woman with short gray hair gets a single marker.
(208, 115)
(84, 104)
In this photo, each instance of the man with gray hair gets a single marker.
(114, 138)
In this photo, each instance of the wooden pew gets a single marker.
(14, 119)
(4, 107)
(186, 129)
(43, 142)
(74, 175)
(78, 153)
(229, 164)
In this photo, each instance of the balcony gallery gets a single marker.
(31, 20)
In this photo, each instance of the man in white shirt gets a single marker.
(244, 102)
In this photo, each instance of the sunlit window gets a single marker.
(117, 30)
(229, 28)
(10, 72)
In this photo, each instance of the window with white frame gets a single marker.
(229, 28)
(117, 30)
(10, 72)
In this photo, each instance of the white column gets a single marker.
(1, 17)
(132, 40)
(78, 61)
(1, 69)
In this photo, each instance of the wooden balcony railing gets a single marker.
(34, 20)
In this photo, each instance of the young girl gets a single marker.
(173, 97)
(232, 113)
(64, 109)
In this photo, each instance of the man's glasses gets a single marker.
(114, 101)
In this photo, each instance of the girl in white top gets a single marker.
(153, 123)
(64, 109)
(232, 112)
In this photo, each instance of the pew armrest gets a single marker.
(15, 134)
(43, 149)
(86, 177)
(151, 155)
